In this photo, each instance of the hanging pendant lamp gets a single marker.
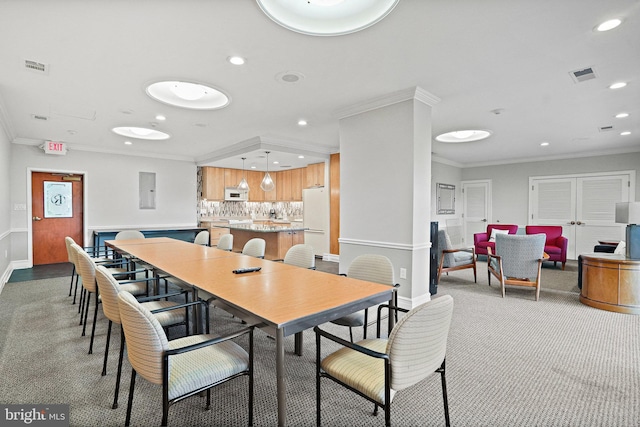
(267, 183)
(244, 185)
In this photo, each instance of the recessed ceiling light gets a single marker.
(128, 143)
(625, 133)
(275, 162)
(609, 25)
(236, 60)
(326, 17)
(617, 85)
(190, 95)
(301, 156)
(463, 136)
(302, 122)
(544, 144)
(140, 133)
(161, 118)
(253, 166)
(622, 115)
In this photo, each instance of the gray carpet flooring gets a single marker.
(510, 362)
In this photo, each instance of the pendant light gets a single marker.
(267, 183)
(244, 185)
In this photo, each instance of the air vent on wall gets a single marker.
(583, 74)
(39, 117)
(37, 67)
(605, 128)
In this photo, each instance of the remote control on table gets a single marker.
(246, 270)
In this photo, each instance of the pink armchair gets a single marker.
(481, 241)
(555, 245)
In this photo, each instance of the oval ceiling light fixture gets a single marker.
(236, 60)
(609, 25)
(326, 17)
(140, 133)
(192, 95)
(463, 136)
(618, 85)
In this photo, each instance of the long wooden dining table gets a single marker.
(281, 299)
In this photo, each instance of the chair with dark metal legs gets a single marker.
(168, 313)
(378, 368)
(198, 362)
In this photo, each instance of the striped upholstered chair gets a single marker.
(373, 268)
(198, 362)
(169, 313)
(301, 255)
(378, 368)
(517, 261)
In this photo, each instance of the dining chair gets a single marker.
(129, 234)
(377, 369)
(168, 314)
(225, 242)
(301, 255)
(372, 268)
(87, 270)
(254, 247)
(202, 238)
(186, 366)
(517, 261)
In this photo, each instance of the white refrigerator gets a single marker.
(315, 217)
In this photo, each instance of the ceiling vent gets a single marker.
(39, 117)
(583, 75)
(605, 128)
(36, 67)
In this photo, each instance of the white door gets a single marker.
(476, 209)
(583, 205)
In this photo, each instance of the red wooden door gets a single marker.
(58, 216)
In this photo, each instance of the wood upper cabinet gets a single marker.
(213, 183)
(315, 175)
(296, 184)
(283, 186)
(254, 178)
(232, 177)
(270, 196)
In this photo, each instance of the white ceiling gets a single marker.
(476, 56)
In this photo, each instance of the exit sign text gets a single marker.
(53, 147)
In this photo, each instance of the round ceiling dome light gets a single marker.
(140, 133)
(326, 17)
(463, 136)
(195, 96)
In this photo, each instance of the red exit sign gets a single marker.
(53, 147)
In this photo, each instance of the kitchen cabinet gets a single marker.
(215, 233)
(278, 238)
(254, 179)
(296, 184)
(232, 177)
(213, 182)
(283, 186)
(314, 175)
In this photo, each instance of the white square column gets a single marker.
(385, 187)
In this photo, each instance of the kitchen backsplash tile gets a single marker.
(253, 210)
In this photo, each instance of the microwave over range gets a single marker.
(232, 194)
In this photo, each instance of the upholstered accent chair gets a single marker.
(168, 313)
(301, 255)
(99, 256)
(451, 259)
(555, 245)
(377, 369)
(202, 238)
(129, 234)
(186, 366)
(372, 268)
(254, 247)
(517, 261)
(225, 242)
(483, 241)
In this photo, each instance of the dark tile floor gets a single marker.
(46, 271)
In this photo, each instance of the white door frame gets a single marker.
(468, 237)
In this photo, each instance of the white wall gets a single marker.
(111, 189)
(5, 209)
(445, 174)
(510, 182)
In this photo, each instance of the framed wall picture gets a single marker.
(58, 199)
(446, 199)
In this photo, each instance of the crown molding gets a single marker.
(416, 93)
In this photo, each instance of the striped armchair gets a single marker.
(377, 369)
(198, 362)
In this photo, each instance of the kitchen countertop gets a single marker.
(262, 228)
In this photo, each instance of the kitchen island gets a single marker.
(278, 237)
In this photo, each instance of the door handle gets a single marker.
(579, 223)
(484, 220)
(37, 218)
(572, 223)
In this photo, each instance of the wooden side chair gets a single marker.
(452, 259)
